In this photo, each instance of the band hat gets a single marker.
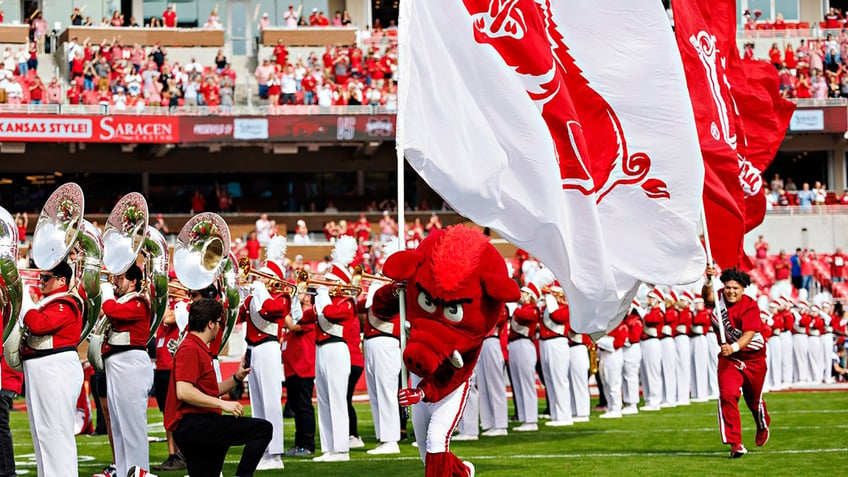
(672, 297)
(657, 294)
(698, 298)
(338, 273)
(274, 267)
(532, 290)
(688, 296)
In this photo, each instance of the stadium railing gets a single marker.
(814, 210)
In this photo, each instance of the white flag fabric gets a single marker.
(564, 125)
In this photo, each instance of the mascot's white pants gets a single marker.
(129, 377)
(382, 368)
(555, 357)
(332, 369)
(491, 385)
(53, 387)
(434, 422)
(522, 369)
(266, 390)
(630, 374)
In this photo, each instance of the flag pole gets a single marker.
(403, 76)
(710, 262)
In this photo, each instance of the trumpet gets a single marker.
(558, 293)
(180, 291)
(359, 275)
(277, 285)
(336, 289)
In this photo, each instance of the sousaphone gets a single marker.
(11, 286)
(55, 236)
(123, 237)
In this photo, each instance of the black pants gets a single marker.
(161, 380)
(7, 450)
(98, 390)
(299, 399)
(355, 373)
(204, 440)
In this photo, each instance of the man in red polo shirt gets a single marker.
(169, 16)
(193, 410)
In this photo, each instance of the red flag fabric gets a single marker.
(741, 121)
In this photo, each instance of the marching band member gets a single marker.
(263, 311)
(490, 381)
(578, 374)
(383, 361)
(332, 357)
(766, 336)
(129, 372)
(742, 364)
(632, 357)
(814, 347)
(611, 364)
(522, 354)
(555, 358)
(827, 342)
(193, 409)
(299, 366)
(53, 372)
(700, 351)
(773, 348)
(669, 351)
(787, 341)
(684, 351)
(800, 343)
(652, 351)
(167, 340)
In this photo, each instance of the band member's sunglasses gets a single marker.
(45, 277)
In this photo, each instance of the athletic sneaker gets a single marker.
(355, 442)
(470, 467)
(109, 471)
(299, 452)
(495, 432)
(737, 451)
(464, 437)
(173, 462)
(136, 471)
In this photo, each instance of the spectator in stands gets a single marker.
(308, 85)
(169, 17)
(433, 224)
(36, 90)
(324, 95)
(76, 17)
(832, 19)
(54, 92)
(22, 57)
(288, 86)
(274, 89)
(264, 22)
(253, 246)
(263, 74)
(795, 260)
(155, 22)
(160, 224)
(227, 92)
(263, 229)
(805, 198)
(158, 55)
(782, 273)
(388, 227)
(292, 16)
(225, 201)
(198, 202)
(324, 265)
(331, 231)
(818, 86)
(802, 86)
(790, 185)
(301, 233)
(214, 22)
(761, 253)
(337, 19)
(819, 193)
(807, 259)
(837, 266)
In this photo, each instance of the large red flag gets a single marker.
(741, 121)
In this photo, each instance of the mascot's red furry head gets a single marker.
(457, 284)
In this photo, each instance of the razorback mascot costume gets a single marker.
(457, 285)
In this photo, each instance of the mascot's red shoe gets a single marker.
(456, 287)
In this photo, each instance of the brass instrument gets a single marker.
(155, 287)
(11, 285)
(183, 289)
(594, 360)
(279, 286)
(336, 288)
(359, 275)
(123, 237)
(202, 258)
(557, 292)
(58, 233)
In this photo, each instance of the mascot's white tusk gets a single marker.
(456, 360)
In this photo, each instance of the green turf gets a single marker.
(809, 437)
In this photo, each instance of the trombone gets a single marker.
(359, 275)
(277, 285)
(336, 289)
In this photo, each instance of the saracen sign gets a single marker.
(117, 129)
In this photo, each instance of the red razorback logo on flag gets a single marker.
(590, 143)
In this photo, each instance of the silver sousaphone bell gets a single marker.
(11, 286)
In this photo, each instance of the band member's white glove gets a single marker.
(551, 303)
(296, 310)
(511, 307)
(26, 303)
(606, 344)
(107, 292)
(259, 294)
(322, 299)
(372, 290)
(181, 315)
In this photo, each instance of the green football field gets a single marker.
(809, 437)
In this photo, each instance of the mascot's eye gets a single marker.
(454, 312)
(425, 303)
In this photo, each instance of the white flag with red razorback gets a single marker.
(564, 125)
